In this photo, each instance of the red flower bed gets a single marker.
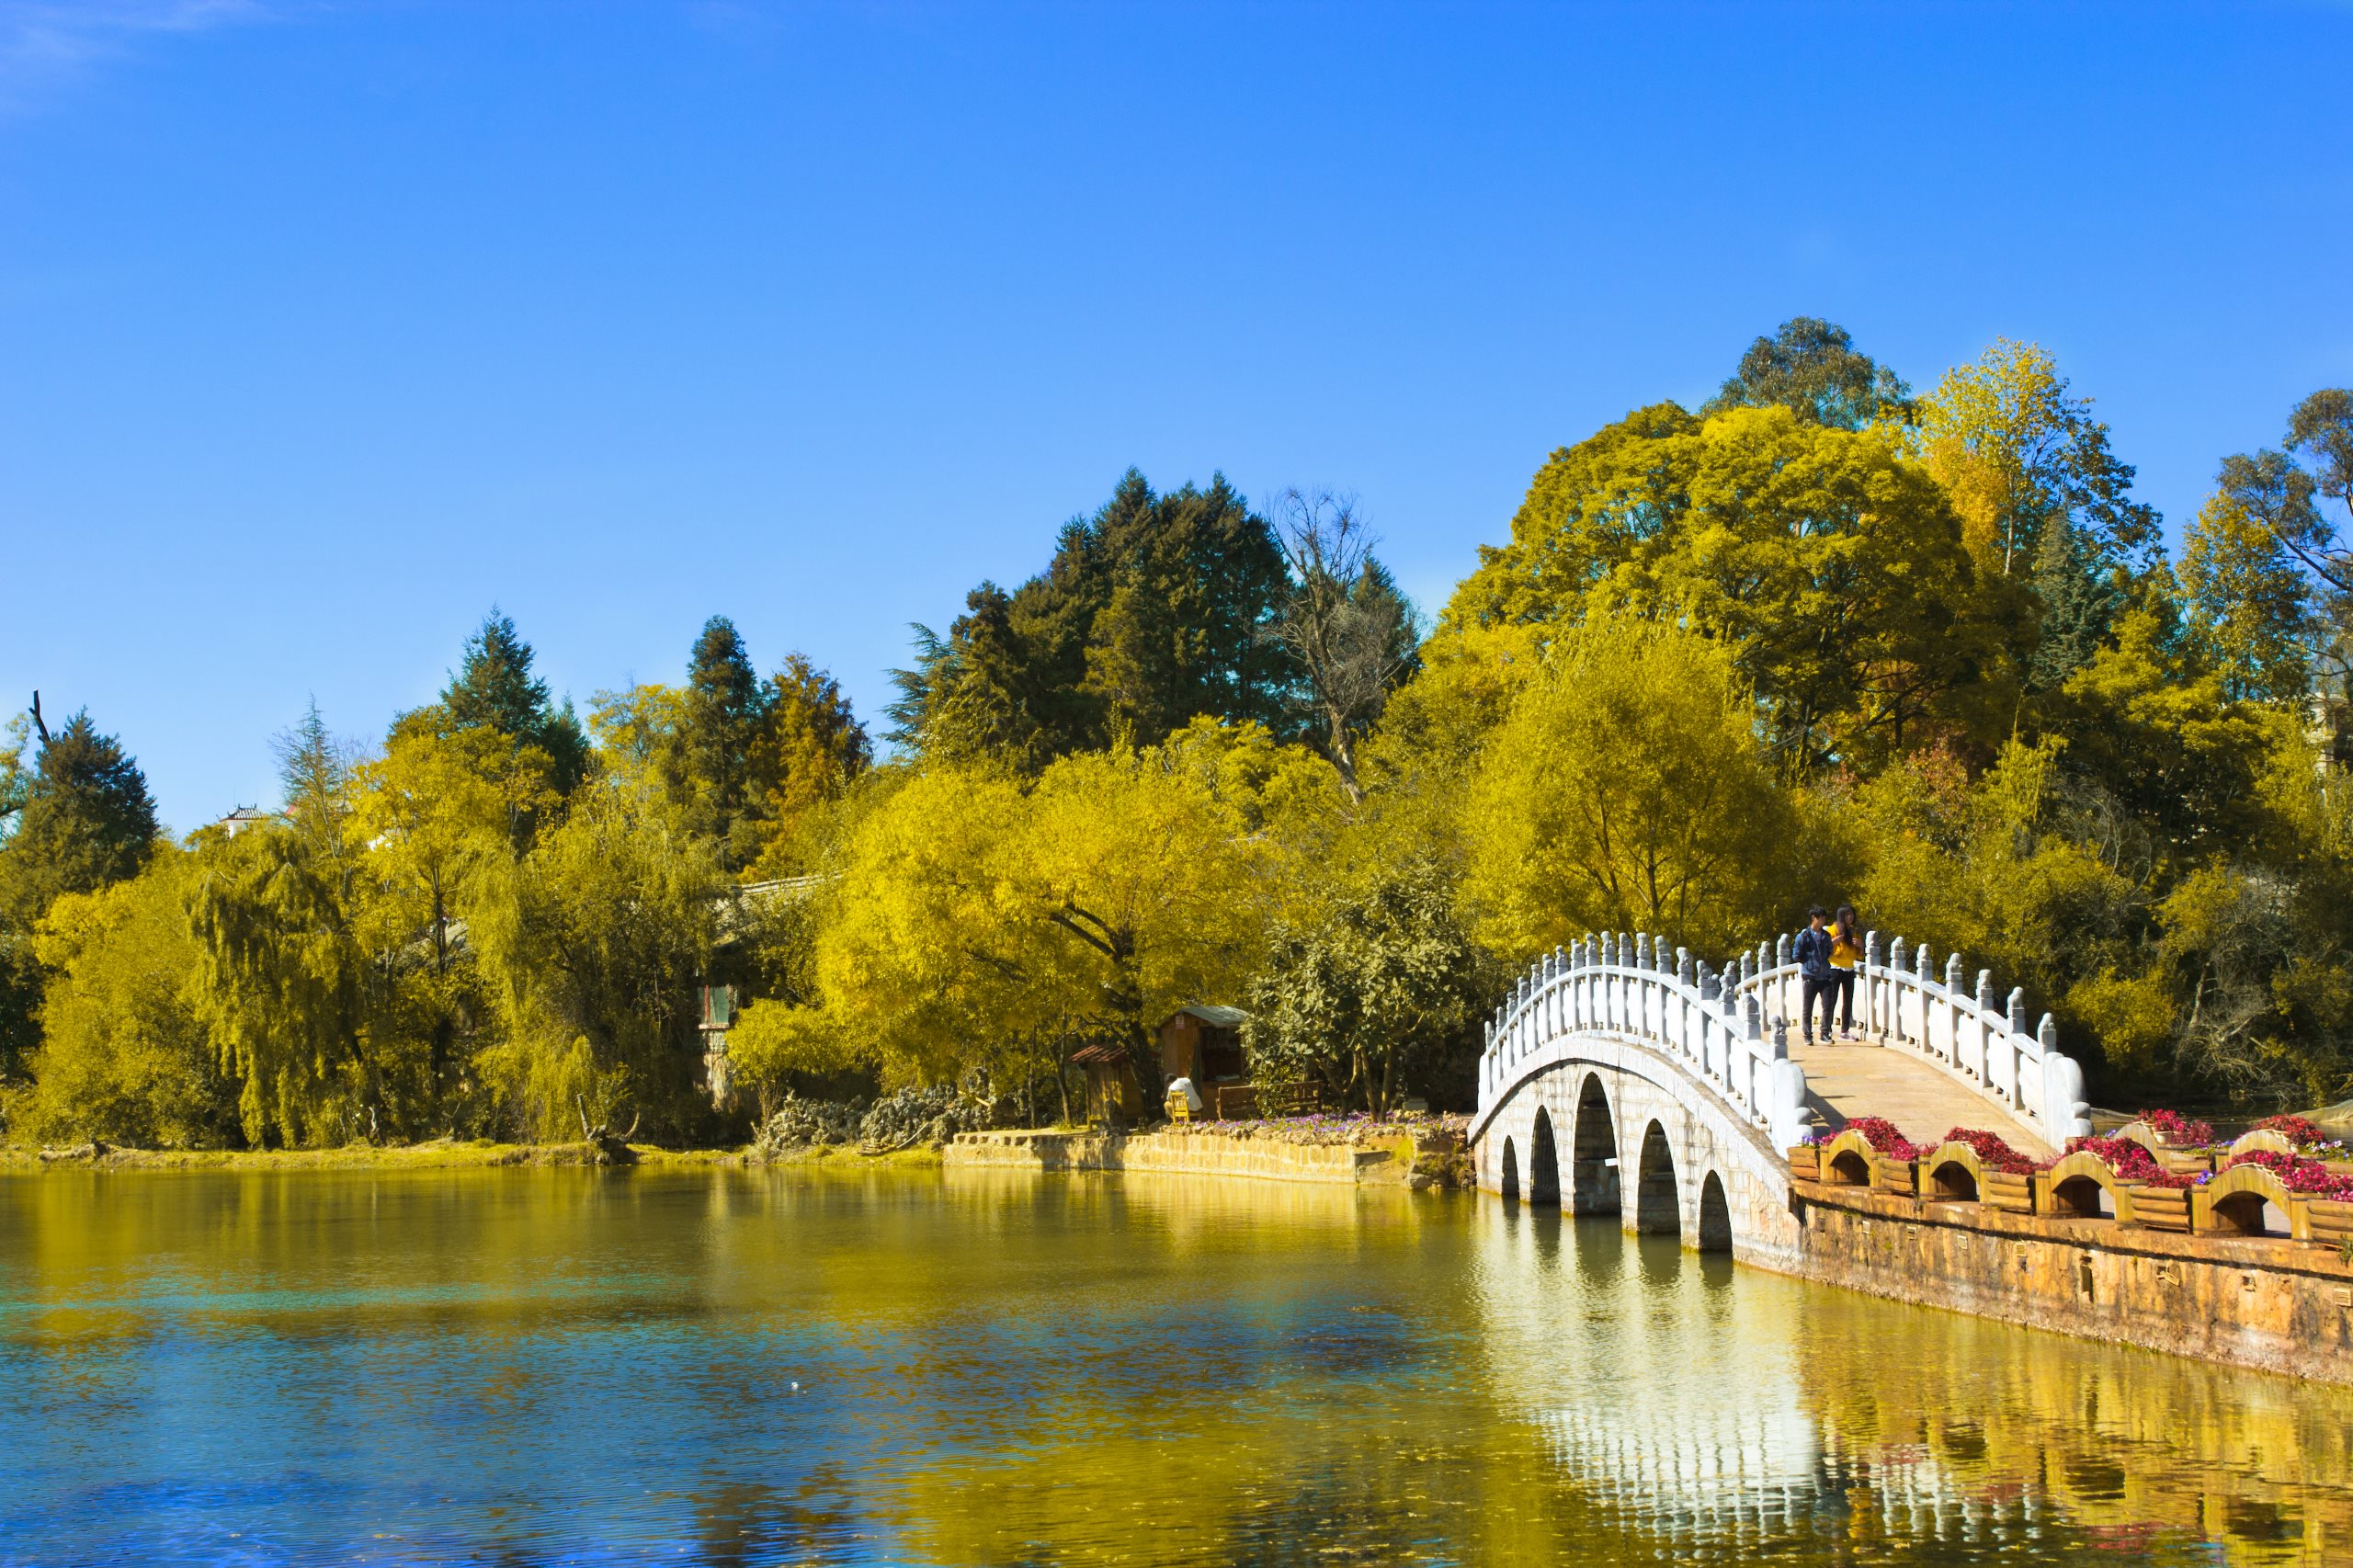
(2297, 1129)
(1882, 1136)
(2178, 1129)
(1991, 1152)
(2298, 1175)
(2128, 1160)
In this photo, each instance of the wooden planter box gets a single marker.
(2180, 1162)
(2069, 1175)
(1901, 1177)
(1805, 1163)
(2161, 1208)
(2011, 1193)
(2224, 1206)
(1848, 1160)
(2328, 1221)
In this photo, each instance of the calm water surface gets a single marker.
(525, 1367)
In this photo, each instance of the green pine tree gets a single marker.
(86, 821)
(493, 687)
(726, 707)
(2079, 595)
(1155, 609)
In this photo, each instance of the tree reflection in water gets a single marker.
(751, 1367)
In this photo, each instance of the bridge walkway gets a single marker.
(1858, 1078)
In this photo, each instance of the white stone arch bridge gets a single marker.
(1619, 1078)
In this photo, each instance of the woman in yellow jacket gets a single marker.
(1845, 952)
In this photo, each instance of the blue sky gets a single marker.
(325, 325)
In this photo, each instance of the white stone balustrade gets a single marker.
(1629, 988)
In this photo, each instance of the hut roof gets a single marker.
(1217, 1018)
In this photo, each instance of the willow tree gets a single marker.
(279, 981)
(433, 823)
(594, 951)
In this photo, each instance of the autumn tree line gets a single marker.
(1821, 639)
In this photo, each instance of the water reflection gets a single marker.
(739, 1368)
(1739, 1411)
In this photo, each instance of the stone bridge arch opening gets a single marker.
(1544, 1165)
(1593, 1151)
(1715, 1216)
(1657, 1198)
(1507, 1187)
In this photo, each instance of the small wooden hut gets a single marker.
(1112, 1091)
(1203, 1042)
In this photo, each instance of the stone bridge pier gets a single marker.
(1611, 1131)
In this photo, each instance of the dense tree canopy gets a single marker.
(1821, 641)
(2016, 449)
(745, 762)
(1830, 562)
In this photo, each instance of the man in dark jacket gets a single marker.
(1813, 953)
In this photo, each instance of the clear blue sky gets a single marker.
(325, 325)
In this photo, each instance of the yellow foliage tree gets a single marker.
(2015, 451)
(1626, 791)
(124, 1056)
(1829, 561)
(2250, 600)
(974, 916)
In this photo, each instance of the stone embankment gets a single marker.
(1428, 1154)
(2231, 1267)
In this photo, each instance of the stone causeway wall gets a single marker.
(2278, 1305)
(1192, 1154)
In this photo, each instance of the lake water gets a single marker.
(732, 1367)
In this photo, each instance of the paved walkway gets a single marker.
(1861, 1078)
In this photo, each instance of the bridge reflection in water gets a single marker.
(1728, 1413)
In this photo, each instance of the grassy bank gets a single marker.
(440, 1154)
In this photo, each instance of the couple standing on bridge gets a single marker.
(1826, 958)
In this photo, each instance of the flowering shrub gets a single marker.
(2178, 1129)
(2297, 1129)
(2297, 1175)
(1991, 1150)
(2128, 1160)
(1884, 1137)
